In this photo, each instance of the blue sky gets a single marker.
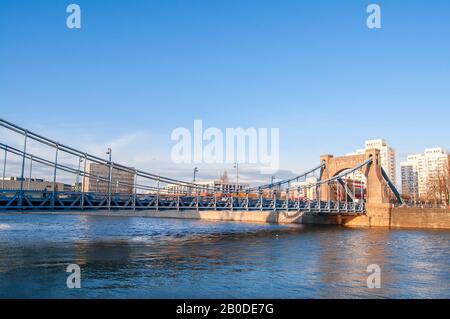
(136, 70)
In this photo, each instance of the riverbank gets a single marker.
(384, 215)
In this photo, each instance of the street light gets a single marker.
(4, 167)
(195, 175)
(77, 183)
(195, 172)
(31, 169)
(109, 152)
(236, 166)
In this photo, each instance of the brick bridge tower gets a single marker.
(376, 186)
(378, 208)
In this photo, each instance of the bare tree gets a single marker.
(438, 186)
(446, 181)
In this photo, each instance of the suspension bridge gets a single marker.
(332, 191)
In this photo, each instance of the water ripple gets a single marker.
(130, 257)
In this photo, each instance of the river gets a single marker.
(134, 257)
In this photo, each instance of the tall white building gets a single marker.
(387, 158)
(418, 170)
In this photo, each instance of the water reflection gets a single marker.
(159, 258)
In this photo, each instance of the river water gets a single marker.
(133, 257)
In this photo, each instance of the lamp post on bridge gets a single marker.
(109, 152)
(31, 169)
(236, 166)
(4, 167)
(77, 182)
(195, 173)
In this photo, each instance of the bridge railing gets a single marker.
(39, 200)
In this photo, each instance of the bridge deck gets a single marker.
(45, 201)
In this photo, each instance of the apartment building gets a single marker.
(387, 158)
(97, 180)
(307, 188)
(419, 170)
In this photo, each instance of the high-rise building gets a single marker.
(410, 179)
(419, 171)
(97, 180)
(387, 158)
